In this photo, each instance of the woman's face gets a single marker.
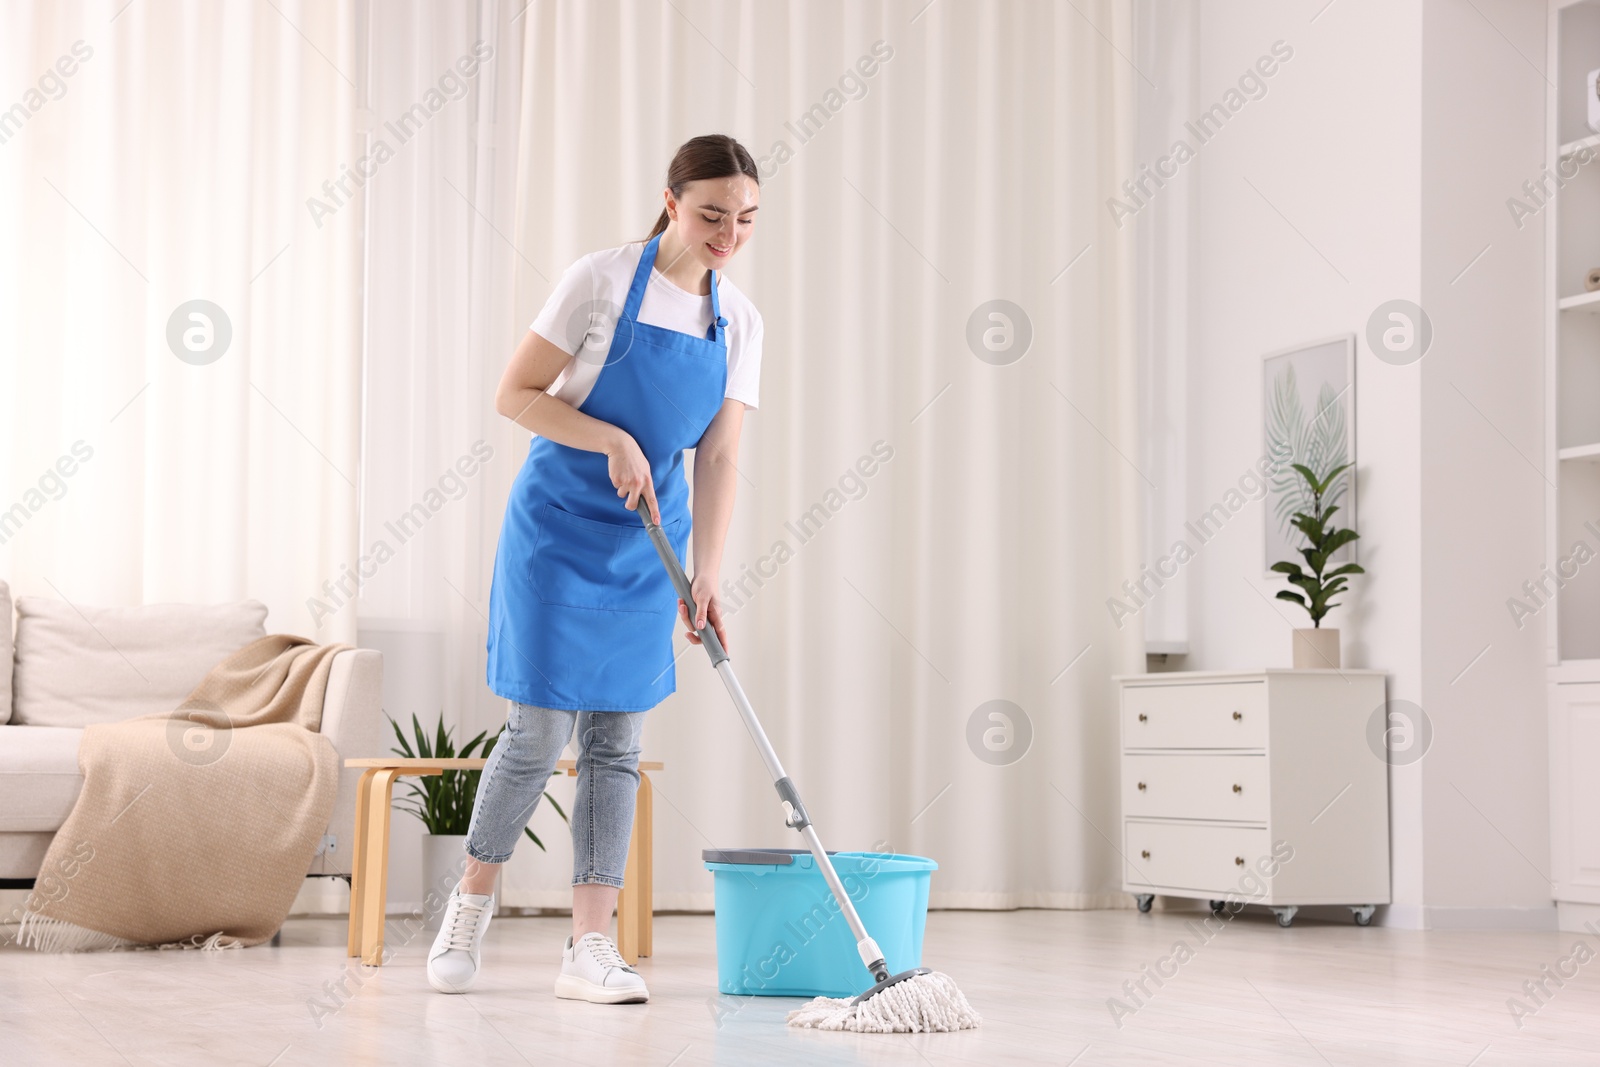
(715, 217)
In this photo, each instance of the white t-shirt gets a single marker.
(579, 315)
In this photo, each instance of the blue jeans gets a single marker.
(521, 764)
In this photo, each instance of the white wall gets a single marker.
(1485, 780)
(1372, 170)
(1333, 148)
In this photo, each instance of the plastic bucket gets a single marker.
(780, 932)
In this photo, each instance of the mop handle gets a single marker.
(680, 582)
(866, 947)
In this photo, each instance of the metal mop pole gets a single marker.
(795, 811)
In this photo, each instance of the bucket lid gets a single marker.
(798, 858)
(767, 856)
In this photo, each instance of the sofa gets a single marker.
(64, 666)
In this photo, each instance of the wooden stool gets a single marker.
(370, 866)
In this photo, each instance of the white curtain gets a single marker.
(154, 155)
(971, 566)
(441, 320)
(231, 154)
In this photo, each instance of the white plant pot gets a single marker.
(444, 861)
(1316, 648)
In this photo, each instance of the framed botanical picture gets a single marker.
(1309, 417)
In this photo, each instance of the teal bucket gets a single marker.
(780, 932)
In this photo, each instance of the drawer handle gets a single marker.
(1238, 861)
(1238, 715)
(1144, 854)
(1143, 717)
(1141, 787)
(1237, 788)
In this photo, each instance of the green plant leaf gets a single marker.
(1311, 529)
(1326, 444)
(1321, 540)
(443, 802)
(1327, 479)
(466, 749)
(556, 804)
(404, 749)
(1320, 443)
(1337, 539)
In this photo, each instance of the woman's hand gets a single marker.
(708, 606)
(630, 473)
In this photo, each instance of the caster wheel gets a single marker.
(1217, 906)
(1144, 900)
(1286, 916)
(1363, 914)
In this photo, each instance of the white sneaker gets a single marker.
(453, 960)
(595, 971)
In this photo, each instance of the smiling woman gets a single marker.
(712, 216)
(580, 612)
(722, 210)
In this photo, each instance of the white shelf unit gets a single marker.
(1583, 452)
(1572, 421)
(1572, 148)
(1572, 332)
(1588, 302)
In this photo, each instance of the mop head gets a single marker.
(926, 1003)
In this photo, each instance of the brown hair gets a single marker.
(713, 155)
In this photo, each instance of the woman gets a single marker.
(640, 352)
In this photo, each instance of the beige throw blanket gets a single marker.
(195, 827)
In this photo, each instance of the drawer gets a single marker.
(1222, 715)
(1199, 786)
(1177, 855)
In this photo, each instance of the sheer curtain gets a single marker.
(936, 498)
(179, 333)
(929, 524)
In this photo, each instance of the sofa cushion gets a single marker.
(77, 665)
(5, 653)
(39, 779)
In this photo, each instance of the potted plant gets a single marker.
(444, 804)
(1316, 647)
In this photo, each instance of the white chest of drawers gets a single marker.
(1262, 787)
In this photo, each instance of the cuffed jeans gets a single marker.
(520, 765)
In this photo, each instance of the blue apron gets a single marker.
(581, 612)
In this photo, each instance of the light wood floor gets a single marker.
(1253, 994)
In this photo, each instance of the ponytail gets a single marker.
(713, 155)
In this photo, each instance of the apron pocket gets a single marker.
(607, 566)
